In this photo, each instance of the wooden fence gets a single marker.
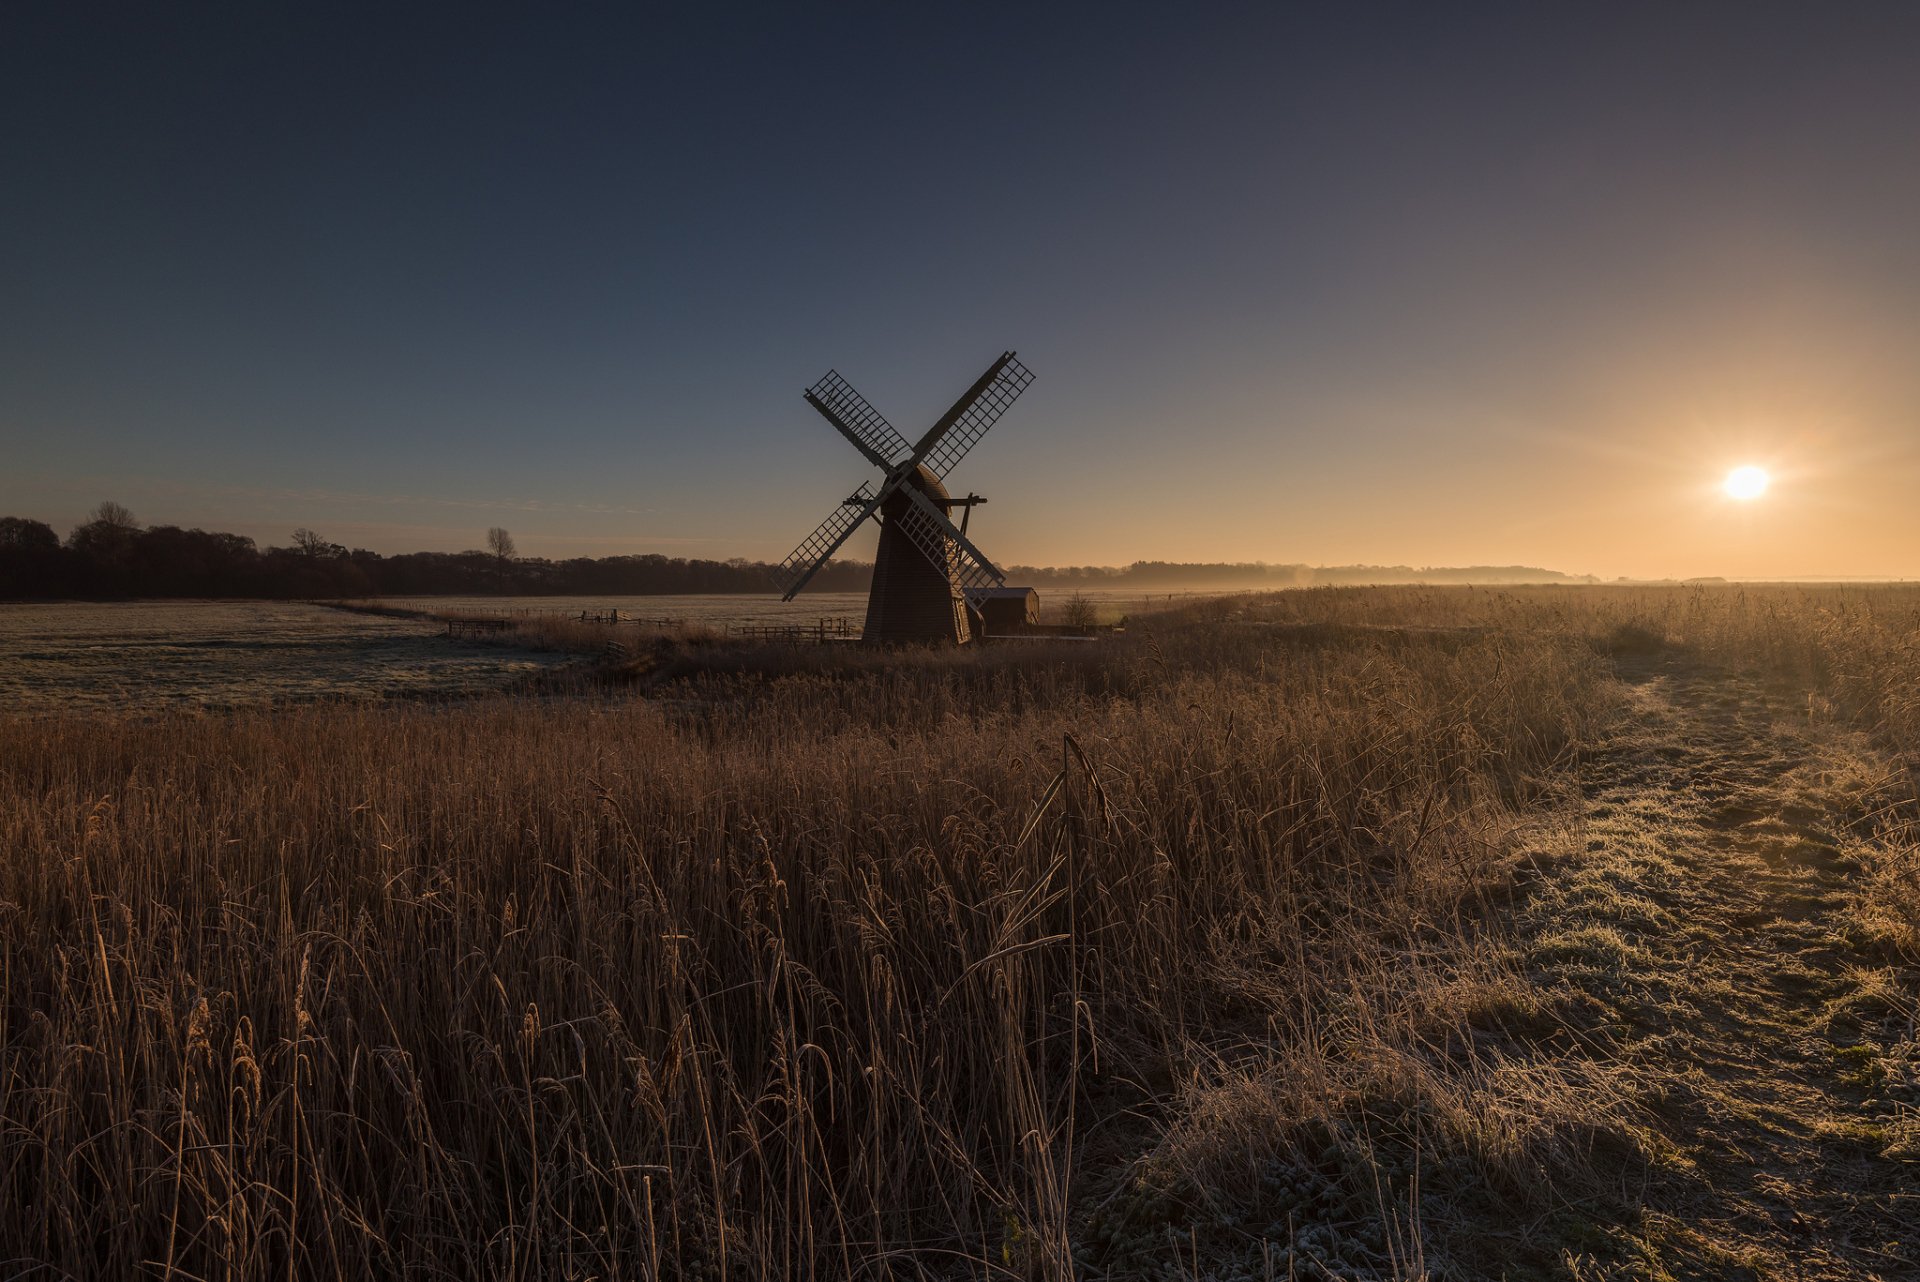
(610, 615)
(476, 627)
(819, 632)
(816, 632)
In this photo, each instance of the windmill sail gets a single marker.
(974, 413)
(805, 561)
(858, 421)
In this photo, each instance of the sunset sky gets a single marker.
(1423, 284)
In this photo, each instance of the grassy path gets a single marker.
(1707, 944)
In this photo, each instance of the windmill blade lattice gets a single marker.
(995, 399)
(858, 421)
(804, 561)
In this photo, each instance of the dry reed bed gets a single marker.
(561, 632)
(836, 971)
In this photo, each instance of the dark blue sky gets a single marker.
(1429, 284)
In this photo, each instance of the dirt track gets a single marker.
(1707, 943)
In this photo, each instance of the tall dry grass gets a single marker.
(562, 632)
(868, 966)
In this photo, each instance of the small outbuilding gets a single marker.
(1003, 612)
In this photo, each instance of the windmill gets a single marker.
(924, 564)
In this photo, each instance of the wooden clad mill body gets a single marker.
(912, 602)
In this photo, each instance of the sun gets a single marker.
(1746, 483)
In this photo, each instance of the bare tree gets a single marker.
(107, 534)
(114, 516)
(311, 544)
(500, 543)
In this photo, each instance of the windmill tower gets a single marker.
(925, 562)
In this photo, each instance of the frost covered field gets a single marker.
(150, 655)
(718, 610)
(715, 610)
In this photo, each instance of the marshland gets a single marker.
(1390, 932)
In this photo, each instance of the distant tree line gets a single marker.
(111, 555)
